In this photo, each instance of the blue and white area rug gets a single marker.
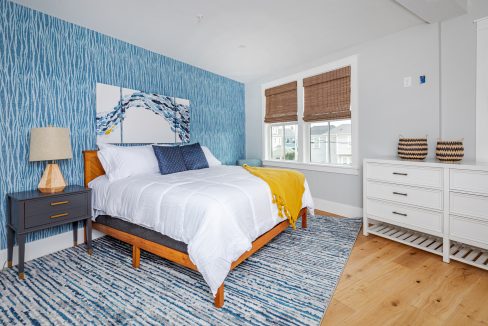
(288, 282)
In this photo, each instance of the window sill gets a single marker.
(313, 167)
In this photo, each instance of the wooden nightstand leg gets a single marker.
(75, 234)
(10, 246)
(21, 243)
(136, 257)
(88, 235)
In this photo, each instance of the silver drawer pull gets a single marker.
(401, 214)
(400, 193)
(400, 173)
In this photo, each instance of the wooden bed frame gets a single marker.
(93, 169)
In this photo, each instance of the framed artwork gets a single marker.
(127, 116)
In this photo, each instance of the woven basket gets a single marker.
(413, 148)
(449, 151)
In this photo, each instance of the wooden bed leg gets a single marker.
(304, 219)
(84, 232)
(219, 298)
(136, 256)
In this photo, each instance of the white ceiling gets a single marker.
(240, 39)
(433, 11)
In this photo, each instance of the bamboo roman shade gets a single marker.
(328, 96)
(281, 103)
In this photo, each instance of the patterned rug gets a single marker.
(288, 282)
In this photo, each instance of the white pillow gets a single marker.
(212, 160)
(124, 161)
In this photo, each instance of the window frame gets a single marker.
(303, 131)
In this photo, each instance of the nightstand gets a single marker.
(31, 211)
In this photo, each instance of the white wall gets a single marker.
(386, 108)
(482, 91)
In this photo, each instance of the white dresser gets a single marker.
(437, 207)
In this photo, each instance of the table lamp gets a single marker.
(50, 144)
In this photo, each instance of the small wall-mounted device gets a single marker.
(422, 79)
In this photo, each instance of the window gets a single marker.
(331, 142)
(323, 134)
(284, 142)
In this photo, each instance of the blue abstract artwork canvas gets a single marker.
(130, 116)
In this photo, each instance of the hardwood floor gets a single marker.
(388, 283)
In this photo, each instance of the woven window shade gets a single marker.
(328, 96)
(281, 103)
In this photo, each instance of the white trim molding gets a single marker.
(338, 208)
(303, 161)
(482, 91)
(46, 246)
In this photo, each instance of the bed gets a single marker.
(220, 242)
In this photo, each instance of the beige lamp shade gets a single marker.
(50, 143)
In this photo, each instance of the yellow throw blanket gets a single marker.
(287, 187)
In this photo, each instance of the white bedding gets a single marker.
(217, 211)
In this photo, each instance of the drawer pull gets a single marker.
(56, 203)
(400, 193)
(58, 215)
(401, 214)
(400, 173)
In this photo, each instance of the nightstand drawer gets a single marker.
(54, 205)
(44, 218)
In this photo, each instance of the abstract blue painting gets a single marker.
(128, 116)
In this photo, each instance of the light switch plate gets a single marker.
(407, 81)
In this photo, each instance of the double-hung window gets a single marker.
(309, 121)
(281, 116)
(327, 112)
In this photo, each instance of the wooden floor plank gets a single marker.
(388, 283)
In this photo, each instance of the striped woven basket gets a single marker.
(449, 151)
(413, 148)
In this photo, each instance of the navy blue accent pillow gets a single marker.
(169, 158)
(194, 157)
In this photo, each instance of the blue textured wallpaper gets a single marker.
(48, 72)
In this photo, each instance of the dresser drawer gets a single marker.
(52, 205)
(404, 174)
(469, 229)
(469, 205)
(428, 198)
(469, 181)
(405, 216)
(54, 217)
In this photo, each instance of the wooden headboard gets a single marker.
(93, 167)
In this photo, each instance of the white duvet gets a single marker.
(217, 211)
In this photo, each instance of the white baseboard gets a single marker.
(46, 246)
(338, 208)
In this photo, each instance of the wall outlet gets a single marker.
(407, 81)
